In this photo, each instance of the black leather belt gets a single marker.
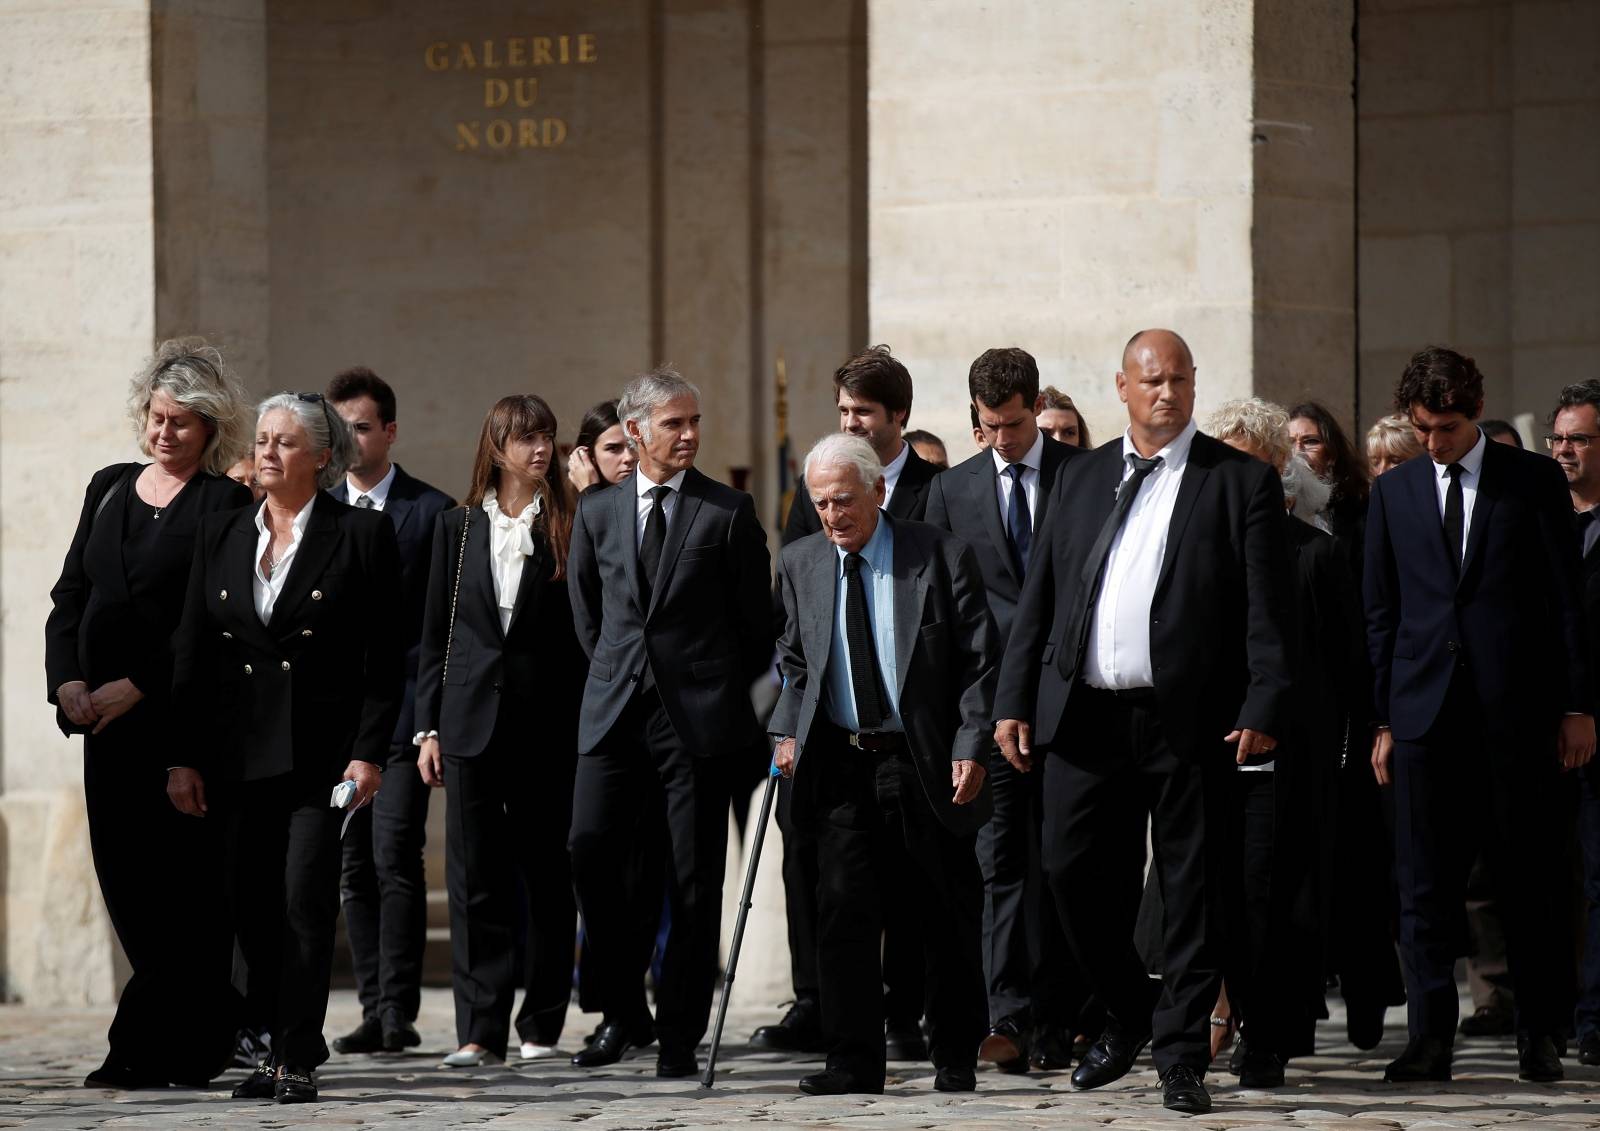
(878, 741)
(1125, 694)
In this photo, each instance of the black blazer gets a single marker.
(1515, 615)
(412, 508)
(533, 669)
(910, 498)
(1221, 620)
(96, 631)
(319, 684)
(964, 501)
(946, 650)
(707, 633)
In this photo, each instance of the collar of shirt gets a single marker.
(878, 553)
(296, 528)
(513, 530)
(643, 484)
(1034, 459)
(1471, 463)
(1173, 457)
(379, 494)
(892, 470)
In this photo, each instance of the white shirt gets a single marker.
(379, 493)
(267, 588)
(1471, 477)
(510, 544)
(892, 470)
(1030, 482)
(643, 484)
(1118, 654)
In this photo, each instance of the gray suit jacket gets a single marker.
(946, 655)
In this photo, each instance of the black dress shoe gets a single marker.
(835, 1082)
(1109, 1058)
(957, 1080)
(1489, 1021)
(295, 1086)
(610, 1042)
(121, 1077)
(904, 1041)
(674, 1064)
(1236, 1058)
(1363, 1024)
(799, 1031)
(365, 1037)
(1261, 1069)
(1183, 1090)
(398, 1033)
(1589, 1050)
(261, 1084)
(1052, 1049)
(1005, 1047)
(1537, 1060)
(1425, 1059)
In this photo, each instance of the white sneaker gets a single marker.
(469, 1058)
(531, 1051)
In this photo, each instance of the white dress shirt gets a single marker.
(1471, 478)
(379, 493)
(643, 484)
(267, 588)
(510, 544)
(1118, 655)
(892, 470)
(1033, 461)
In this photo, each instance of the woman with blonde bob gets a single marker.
(108, 666)
(499, 681)
(1390, 442)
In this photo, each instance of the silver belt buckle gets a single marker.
(854, 740)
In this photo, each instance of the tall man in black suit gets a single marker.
(1482, 690)
(888, 656)
(1148, 653)
(382, 886)
(873, 393)
(669, 577)
(994, 502)
(1574, 440)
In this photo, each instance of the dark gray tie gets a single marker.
(364, 503)
(655, 538)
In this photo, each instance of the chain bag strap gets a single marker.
(455, 593)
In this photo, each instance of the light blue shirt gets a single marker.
(877, 579)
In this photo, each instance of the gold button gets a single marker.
(227, 636)
(285, 665)
(316, 594)
(305, 632)
(223, 595)
(247, 669)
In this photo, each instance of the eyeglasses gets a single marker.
(1579, 440)
(309, 398)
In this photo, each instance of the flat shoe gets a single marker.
(470, 1058)
(532, 1051)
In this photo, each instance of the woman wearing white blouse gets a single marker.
(498, 686)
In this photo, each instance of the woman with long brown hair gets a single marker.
(498, 686)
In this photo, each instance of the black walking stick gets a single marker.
(738, 926)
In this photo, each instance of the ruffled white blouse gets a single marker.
(510, 545)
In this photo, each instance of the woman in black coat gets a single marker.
(290, 661)
(108, 660)
(498, 687)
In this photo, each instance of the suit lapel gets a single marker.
(479, 562)
(1482, 508)
(624, 537)
(985, 497)
(688, 505)
(1194, 477)
(820, 577)
(529, 587)
(909, 486)
(1050, 462)
(397, 506)
(317, 544)
(1425, 498)
(910, 591)
(238, 572)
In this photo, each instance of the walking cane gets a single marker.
(738, 926)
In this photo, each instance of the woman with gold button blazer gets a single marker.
(288, 653)
(108, 663)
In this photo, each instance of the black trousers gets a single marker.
(507, 812)
(1119, 772)
(1032, 978)
(160, 874)
(384, 893)
(638, 773)
(1461, 791)
(644, 880)
(868, 815)
(284, 859)
(1365, 904)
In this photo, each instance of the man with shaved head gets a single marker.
(1148, 656)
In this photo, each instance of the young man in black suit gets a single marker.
(1483, 696)
(669, 578)
(994, 502)
(1150, 650)
(382, 886)
(873, 394)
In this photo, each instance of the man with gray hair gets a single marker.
(668, 575)
(888, 656)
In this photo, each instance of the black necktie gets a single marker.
(364, 503)
(655, 537)
(870, 711)
(1094, 566)
(1019, 523)
(1455, 515)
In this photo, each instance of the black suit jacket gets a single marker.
(706, 633)
(1515, 615)
(964, 501)
(910, 498)
(1221, 619)
(316, 686)
(412, 508)
(946, 651)
(97, 631)
(531, 673)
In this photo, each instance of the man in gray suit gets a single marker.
(888, 656)
(668, 574)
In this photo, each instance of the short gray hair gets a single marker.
(647, 392)
(325, 428)
(193, 374)
(1307, 494)
(841, 449)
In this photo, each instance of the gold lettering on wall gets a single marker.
(512, 53)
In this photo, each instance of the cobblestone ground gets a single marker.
(44, 1056)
